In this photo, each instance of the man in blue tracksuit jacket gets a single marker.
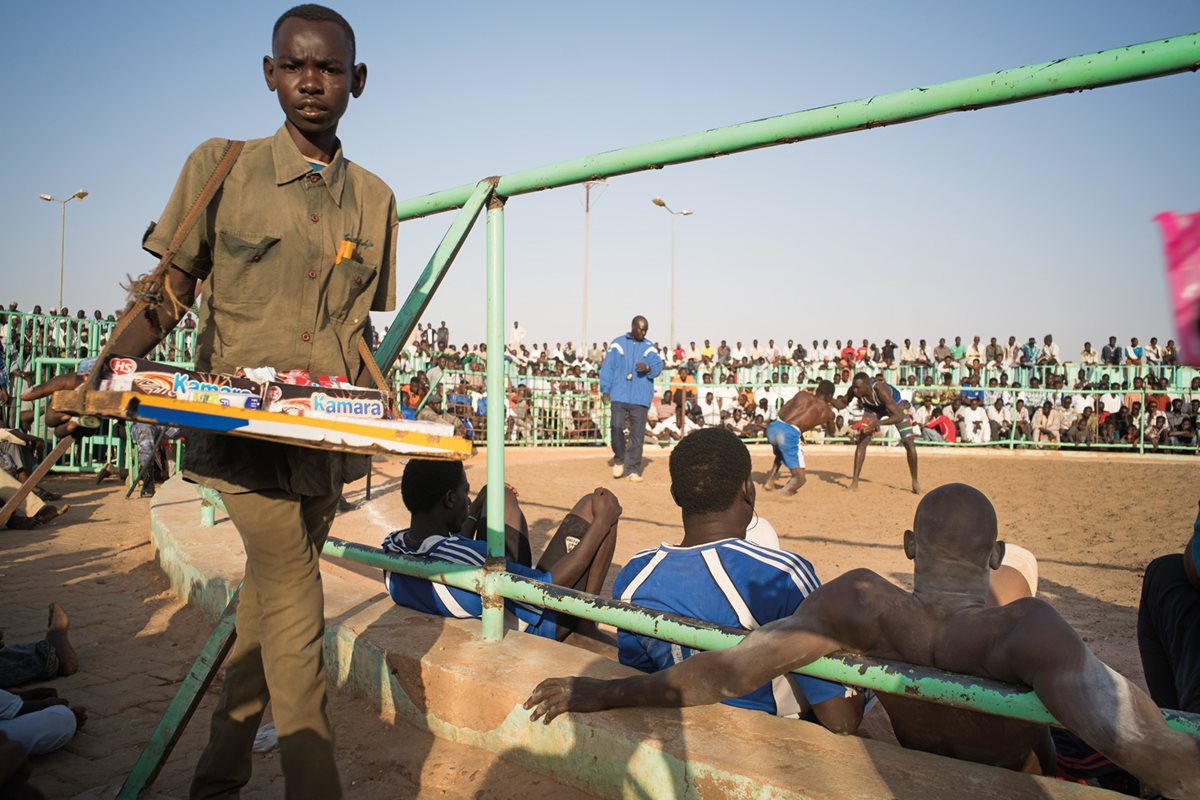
(627, 379)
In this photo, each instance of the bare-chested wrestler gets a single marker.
(881, 406)
(947, 623)
(803, 412)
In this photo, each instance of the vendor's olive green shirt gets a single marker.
(272, 295)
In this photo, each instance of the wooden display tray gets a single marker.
(368, 437)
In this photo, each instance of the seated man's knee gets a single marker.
(43, 731)
(583, 508)
(841, 715)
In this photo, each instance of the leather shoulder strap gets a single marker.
(154, 284)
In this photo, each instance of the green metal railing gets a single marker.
(1106, 68)
(926, 683)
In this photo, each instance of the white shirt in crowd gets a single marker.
(1002, 416)
(975, 427)
(710, 412)
(669, 425)
(726, 394)
(766, 393)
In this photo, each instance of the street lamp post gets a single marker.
(62, 235)
(587, 213)
(684, 212)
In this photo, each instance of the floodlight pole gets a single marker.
(587, 212)
(62, 235)
(684, 212)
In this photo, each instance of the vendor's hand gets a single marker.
(605, 505)
(63, 424)
(555, 696)
(641, 367)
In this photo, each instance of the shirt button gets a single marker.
(357, 279)
(306, 336)
(257, 257)
(314, 177)
(312, 273)
(314, 218)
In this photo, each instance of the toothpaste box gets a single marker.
(326, 402)
(129, 374)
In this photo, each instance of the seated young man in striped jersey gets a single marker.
(715, 575)
(448, 526)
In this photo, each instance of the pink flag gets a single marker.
(1181, 237)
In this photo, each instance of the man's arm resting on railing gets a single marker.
(1099, 705)
(703, 678)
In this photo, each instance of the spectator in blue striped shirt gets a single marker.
(448, 526)
(715, 575)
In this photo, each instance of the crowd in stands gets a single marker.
(1121, 396)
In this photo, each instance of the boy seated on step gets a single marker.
(448, 526)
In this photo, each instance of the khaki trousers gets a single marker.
(9, 485)
(277, 655)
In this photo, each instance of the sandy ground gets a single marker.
(1093, 522)
(136, 640)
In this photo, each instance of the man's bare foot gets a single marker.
(49, 513)
(56, 634)
(916, 488)
(854, 486)
(768, 485)
(80, 713)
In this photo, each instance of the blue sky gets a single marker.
(1022, 220)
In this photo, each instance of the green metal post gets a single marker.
(183, 705)
(1142, 426)
(431, 277)
(493, 604)
(1093, 70)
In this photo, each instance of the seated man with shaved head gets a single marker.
(948, 623)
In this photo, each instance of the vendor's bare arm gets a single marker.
(138, 339)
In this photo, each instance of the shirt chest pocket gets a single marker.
(350, 290)
(251, 265)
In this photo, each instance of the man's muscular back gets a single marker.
(806, 411)
(897, 626)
